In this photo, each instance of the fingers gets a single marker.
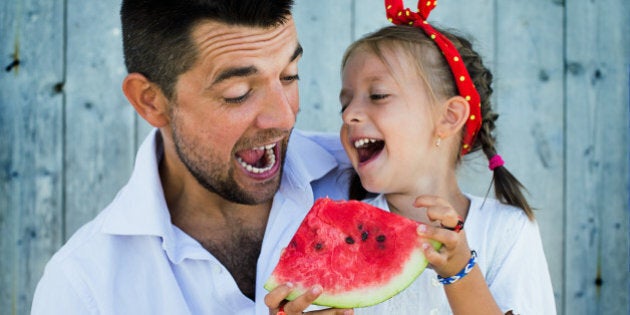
(276, 301)
(449, 239)
(275, 297)
(332, 311)
(439, 209)
(454, 252)
(303, 301)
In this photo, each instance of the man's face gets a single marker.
(235, 108)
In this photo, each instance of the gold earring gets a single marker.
(438, 142)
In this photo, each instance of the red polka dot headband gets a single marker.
(397, 14)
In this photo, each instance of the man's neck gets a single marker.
(231, 232)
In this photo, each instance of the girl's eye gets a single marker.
(376, 97)
(236, 100)
(291, 78)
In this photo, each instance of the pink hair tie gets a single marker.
(495, 162)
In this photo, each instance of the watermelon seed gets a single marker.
(349, 240)
(318, 246)
(364, 236)
(380, 238)
(360, 226)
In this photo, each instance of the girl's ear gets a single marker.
(454, 117)
(147, 98)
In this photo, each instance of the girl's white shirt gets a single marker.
(510, 256)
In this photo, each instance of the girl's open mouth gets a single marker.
(368, 148)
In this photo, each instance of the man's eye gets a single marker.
(291, 78)
(236, 100)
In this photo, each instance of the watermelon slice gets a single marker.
(360, 254)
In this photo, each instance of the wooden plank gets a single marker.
(100, 130)
(598, 48)
(474, 19)
(324, 32)
(31, 124)
(368, 16)
(529, 93)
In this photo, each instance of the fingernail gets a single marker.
(289, 284)
(421, 229)
(347, 312)
(425, 246)
(317, 289)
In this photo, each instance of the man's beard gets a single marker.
(218, 177)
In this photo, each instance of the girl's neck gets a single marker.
(402, 203)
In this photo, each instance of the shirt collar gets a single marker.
(140, 207)
(306, 160)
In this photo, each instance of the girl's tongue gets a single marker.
(368, 150)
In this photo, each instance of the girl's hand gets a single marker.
(455, 253)
(275, 301)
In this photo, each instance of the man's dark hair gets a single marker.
(157, 33)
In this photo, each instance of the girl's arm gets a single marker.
(469, 294)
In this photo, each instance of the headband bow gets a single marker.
(397, 14)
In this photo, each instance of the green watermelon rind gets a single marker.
(367, 296)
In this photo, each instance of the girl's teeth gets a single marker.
(361, 142)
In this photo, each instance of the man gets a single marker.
(218, 80)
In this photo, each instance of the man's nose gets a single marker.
(279, 109)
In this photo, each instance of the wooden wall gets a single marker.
(68, 136)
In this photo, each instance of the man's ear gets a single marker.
(147, 98)
(454, 117)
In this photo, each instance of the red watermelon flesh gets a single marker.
(360, 254)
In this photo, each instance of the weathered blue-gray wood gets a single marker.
(100, 132)
(598, 55)
(324, 30)
(530, 128)
(68, 136)
(31, 145)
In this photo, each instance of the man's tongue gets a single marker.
(253, 157)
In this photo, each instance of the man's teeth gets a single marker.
(270, 158)
(361, 142)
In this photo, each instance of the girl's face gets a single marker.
(388, 121)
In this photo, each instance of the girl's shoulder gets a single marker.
(491, 211)
(496, 226)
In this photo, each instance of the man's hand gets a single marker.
(275, 301)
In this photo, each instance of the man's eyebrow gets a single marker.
(298, 52)
(247, 71)
(234, 72)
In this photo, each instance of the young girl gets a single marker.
(414, 100)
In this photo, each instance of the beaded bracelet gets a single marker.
(469, 266)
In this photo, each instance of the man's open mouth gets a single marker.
(368, 148)
(258, 160)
